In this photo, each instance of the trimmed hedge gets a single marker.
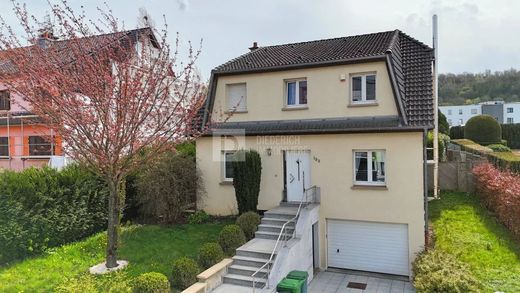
(184, 272)
(483, 129)
(231, 237)
(151, 282)
(435, 271)
(209, 255)
(457, 132)
(511, 133)
(249, 222)
(502, 160)
(247, 170)
(499, 148)
(42, 208)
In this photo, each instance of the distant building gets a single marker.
(504, 113)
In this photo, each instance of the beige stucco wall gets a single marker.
(332, 161)
(328, 96)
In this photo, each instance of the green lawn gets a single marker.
(464, 228)
(147, 248)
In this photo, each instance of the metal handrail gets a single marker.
(268, 263)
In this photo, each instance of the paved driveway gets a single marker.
(336, 282)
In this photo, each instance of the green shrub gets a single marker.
(151, 283)
(511, 133)
(483, 129)
(247, 170)
(435, 271)
(210, 254)
(444, 126)
(249, 222)
(457, 132)
(502, 160)
(184, 272)
(443, 139)
(499, 148)
(168, 187)
(43, 208)
(198, 217)
(187, 149)
(231, 237)
(85, 284)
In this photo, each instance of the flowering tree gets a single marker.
(117, 98)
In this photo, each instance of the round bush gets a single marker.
(483, 129)
(151, 283)
(231, 237)
(184, 272)
(249, 222)
(210, 254)
(499, 148)
(436, 271)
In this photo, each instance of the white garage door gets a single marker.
(368, 246)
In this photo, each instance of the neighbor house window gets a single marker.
(510, 120)
(296, 92)
(40, 146)
(4, 146)
(449, 112)
(460, 111)
(227, 165)
(369, 167)
(461, 122)
(237, 97)
(363, 88)
(5, 100)
(510, 110)
(473, 111)
(450, 122)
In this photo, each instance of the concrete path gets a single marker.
(334, 282)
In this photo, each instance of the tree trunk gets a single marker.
(114, 211)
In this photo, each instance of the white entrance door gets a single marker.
(297, 174)
(368, 246)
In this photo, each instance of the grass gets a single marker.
(147, 248)
(465, 229)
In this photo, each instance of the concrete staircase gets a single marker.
(255, 253)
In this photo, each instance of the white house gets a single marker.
(504, 113)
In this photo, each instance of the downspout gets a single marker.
(425, 187)
(435, 109)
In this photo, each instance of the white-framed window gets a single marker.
(474, 111)
(510, 110)
(227, 165)
(510, 120)
(369, 167)
(449, 112)
(461, 122)
(296, 92)
(363, 88)
(450, 122)
(237, 97)
(460, 111)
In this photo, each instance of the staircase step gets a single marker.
(249, 261)
(279, 215)
(254, 254)
(269, 235)
(247, 271)
(276, 222)
(274, 228)
(244, 280)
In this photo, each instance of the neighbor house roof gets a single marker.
(408, 60)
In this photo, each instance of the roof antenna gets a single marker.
(435, 107)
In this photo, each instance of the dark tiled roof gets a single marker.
(308, 126)
(409, 61)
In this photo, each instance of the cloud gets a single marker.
(183, 4)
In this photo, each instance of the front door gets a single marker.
(297, 174)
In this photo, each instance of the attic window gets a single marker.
(363, 88)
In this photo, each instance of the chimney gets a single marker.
(45, 38)
(254, 47)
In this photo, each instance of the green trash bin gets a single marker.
(299, 275)
(289, 286)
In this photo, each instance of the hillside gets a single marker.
(470, 88)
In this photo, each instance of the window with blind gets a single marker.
(40, 146)
(237, 97)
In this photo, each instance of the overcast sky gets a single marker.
(474, 35)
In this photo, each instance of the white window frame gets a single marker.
(297, 102)
(510, 108)
(449, 112)
(241, 107)
(510, 120)
(461, 111)
(223, 166)
(363, 88)
(370, 180)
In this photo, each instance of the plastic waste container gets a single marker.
(289, 286)
(299, 275)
